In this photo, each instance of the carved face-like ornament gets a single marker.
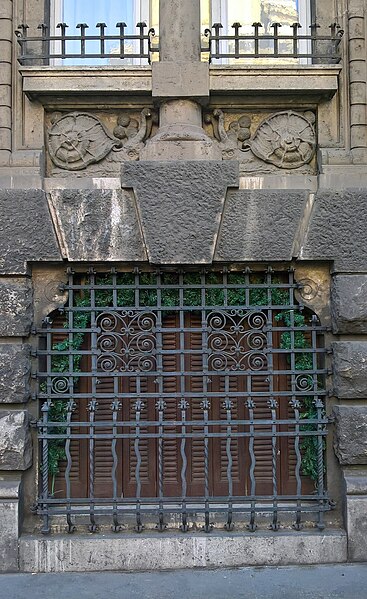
(286, 139)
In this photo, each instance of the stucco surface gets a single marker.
(15, 440)
(14, 373)
(350, 369)
(337, 230)
(27, 230)
(350, 441)
(260, 225)
(349, 304)
(16, 308)
(98, 224)
(180, 205)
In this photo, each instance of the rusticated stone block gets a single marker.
(337, 230)
(349, 304)
(356, 525)
(180, 206)
(260, 225)
(350, 369)
(15, 440)
(14, 373)
(27, 230)
(350, 443)
(15, 307)
(9, 518)
(98, 225)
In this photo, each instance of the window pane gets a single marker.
(109, 12)
(266, 12)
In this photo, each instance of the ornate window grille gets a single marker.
(195, 396)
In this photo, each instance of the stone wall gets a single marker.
(190, 207)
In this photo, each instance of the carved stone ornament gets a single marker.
(79, 139)
(286, 139)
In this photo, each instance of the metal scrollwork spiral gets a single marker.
(60, 385)
(235, 340)
(126, 341)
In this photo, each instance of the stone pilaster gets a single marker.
(358, 79)
(16, 455)
(355, 511)
(10, 518)
(349, 319)
(6, 37)
(180, 84)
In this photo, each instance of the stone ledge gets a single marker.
(157, 551)
(40, 83)
(318, 81)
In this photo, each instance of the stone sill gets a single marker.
(171, 551)
(47, 83)
(40, 83)
(315, 81)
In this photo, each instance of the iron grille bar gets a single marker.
(183, 406)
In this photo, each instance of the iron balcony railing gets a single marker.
(121, 45)
(247, 42)
(194, 397)
(275, 42)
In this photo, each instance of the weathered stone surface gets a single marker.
(27, 230)
(98, 224)
(15, 307)
(260, 225)
(180, 80)
(349, 304)
(82, 553)
(15, 441)
(355, 480)
(9, 518)
(350, 369)
(350, 441)
(356, 525)
(14, 373)
(180, 205)
(337, 230)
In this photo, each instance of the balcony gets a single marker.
(273, 60)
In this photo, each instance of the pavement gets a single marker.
(340, 581)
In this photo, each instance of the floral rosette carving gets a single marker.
(78, 139)
(286, 139)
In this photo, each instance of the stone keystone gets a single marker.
(180, 204)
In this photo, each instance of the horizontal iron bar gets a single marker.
(191, 500)
(185, 394)
(194, 435)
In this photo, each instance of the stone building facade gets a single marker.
(184, 166)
